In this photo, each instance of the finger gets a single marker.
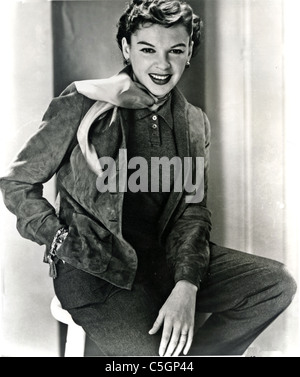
(182, 342)
(165, 338)
(173, 343)
(157, 324)
(189, 341)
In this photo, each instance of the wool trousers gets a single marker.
(241, 295)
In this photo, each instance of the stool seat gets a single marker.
(75, 340)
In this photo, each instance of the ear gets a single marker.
(125, 49)
(191, 46)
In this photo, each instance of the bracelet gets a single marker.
(59, 238)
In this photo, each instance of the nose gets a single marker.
(163, 62)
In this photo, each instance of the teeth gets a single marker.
(160, 77)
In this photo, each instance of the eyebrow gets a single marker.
(150, 45)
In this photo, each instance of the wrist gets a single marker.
(187, 285)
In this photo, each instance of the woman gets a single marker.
(135, 266)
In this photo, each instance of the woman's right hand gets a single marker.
(119, 90)
(176, 317)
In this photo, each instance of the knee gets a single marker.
(285, 283)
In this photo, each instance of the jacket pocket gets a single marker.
(88, 245)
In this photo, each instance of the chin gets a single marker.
(161, 92)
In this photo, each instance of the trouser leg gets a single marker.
(244, 293)
(117, 320)
(119, 326)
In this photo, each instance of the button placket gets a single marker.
(154, 133)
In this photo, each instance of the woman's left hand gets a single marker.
(177, 316)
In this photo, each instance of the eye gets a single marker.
(177, 51)
(147, 50)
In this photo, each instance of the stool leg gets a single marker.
(75, 341)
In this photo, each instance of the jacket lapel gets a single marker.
(181, 129)
(108, 206)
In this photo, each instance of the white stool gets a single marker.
(75, 340)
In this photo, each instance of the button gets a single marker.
(154, 126)
(154, 117)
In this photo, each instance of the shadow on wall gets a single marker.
(85, 47)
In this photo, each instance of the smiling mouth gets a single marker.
(160, 79)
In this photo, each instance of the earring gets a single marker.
(127, 61)
(188, 64)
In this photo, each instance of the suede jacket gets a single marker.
(95, 243)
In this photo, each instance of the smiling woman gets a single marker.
(136, 268)
(161, 49)
(158, 56)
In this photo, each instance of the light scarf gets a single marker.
(99, 109)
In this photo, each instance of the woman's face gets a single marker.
(158, 56)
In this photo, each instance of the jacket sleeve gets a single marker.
(187, 244)
(36, 163)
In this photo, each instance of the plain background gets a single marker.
(244, 78)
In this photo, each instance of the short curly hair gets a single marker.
(162, 12)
